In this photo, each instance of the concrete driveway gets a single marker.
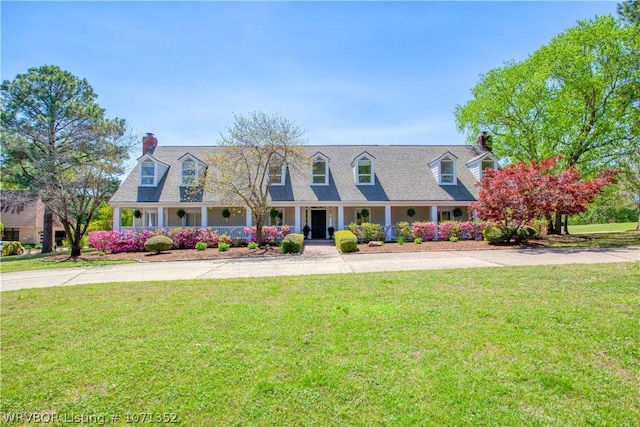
(321, 259)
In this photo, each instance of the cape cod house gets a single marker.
(381, 184)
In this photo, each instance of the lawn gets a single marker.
(10, 264)
(550, 345)
(602, 228)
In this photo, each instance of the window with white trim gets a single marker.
(276, 173)
(148, 173)
(487, 163)
(447, 171)
(364, 172)
(319, 171)
(189, 172)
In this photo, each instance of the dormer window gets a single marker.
(148, 173)
(487, 163)
(447, 171)
(320, 171)
(189, 173)
(276, 173)
(364, 171)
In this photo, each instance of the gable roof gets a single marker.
(402, 174)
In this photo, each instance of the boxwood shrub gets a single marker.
(346, 241)
(292, 243)
(497, 234)
(158, 244)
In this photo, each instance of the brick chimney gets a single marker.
(149, 143)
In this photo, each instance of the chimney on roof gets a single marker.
(484, 141)
(149, 143)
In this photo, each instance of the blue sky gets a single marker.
(346, 72)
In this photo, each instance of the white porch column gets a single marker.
(116, 219)
(434, 218)
(203, 216)
(249, 218)
(434, 214)
(160, 216)
(298, 221)
(340, 218)
(387, 222)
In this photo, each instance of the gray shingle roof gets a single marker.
(401, 174)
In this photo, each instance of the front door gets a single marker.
(318, 224)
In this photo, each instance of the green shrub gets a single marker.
(497, 234)
(158, 244)
(12, 248)
(525, 233)
(403, 230)
(253, 245)
(292, 244)
(223, 247)
(201, 246)
(417, 240)
(401, 240)
(454, 239)
(346, 241)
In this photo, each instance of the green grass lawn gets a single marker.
(550, 345)
(602, 228)
(10, 264)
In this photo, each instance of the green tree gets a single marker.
(577, 96)
(629, 11)
(58, 144)
(250, 156)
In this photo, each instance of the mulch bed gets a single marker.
(243, 252)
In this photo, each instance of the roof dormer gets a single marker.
(479, 164)
(151, 170)
(191, 170)
(364, 169)
(444, 169)
(319, 169)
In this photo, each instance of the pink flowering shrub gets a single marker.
(448, 229)
(270, 234)
(183, 238)
(104, 241)
(424, 230)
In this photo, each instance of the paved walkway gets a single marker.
(317, 259)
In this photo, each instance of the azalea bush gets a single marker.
(367, 231)
(424, 230)
(270, 234)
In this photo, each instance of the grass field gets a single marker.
(602, 228)
(10, 264)
(551, 345)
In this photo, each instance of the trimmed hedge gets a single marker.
(525, 233)
(292, 244)
(158, 244)
(346, 241)
(497, 234)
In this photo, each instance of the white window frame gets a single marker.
(276, 218)
(359, 175)
(441, 175)
(317, 159)
(150, 218)
(482, 168)
(283, 171)
(196, 173)
(143, 176)
(357, 212)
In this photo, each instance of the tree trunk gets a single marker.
(566, 224)
(47, 231)
(258, 220)
(557, 229)
(75, 249)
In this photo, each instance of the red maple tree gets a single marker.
(523, 192)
